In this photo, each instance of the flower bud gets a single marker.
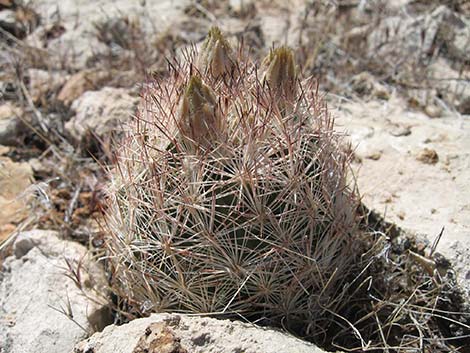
(280, 73)
(216, 56)
(200, 120)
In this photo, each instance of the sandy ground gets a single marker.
(413, 170)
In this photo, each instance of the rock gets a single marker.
(427, 156)
(79, 83)
(6, 230)
(461, 262)
(43, 83)
(173, 333)
(100, 112)
(9, 123)
(79, 44)
(34, 289)
(15, 178)
(431, 196)
(375, 155)
(433, 111)
(364, 84)
(399, 130)
(70, 40)
(37, 166)
(4, 150)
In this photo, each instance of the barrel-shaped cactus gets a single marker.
(223, 203)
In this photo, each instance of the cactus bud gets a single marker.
(280, 72)
(199, 119)
(216, 56)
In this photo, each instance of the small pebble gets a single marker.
(428, 156)
(433, 111)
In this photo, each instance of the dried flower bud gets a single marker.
(280, 73)
(199, 120)
(216, 56)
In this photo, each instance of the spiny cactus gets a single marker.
(221, 203)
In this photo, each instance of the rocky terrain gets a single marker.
(396, 75)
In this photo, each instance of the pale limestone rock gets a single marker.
(15, 178)
(79, 83)
(174, 333)
(433, 194)
(9, 123)
(79, 43)
(101, 112)
(34, 288)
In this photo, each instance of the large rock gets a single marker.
(100, 112)
(35, 288)
(9, 123)
(79, 83)
(171, 333)
(15, 178)
(414, 171)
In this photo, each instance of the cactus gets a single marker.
(220, 204)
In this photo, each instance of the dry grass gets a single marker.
(65, 195)
(335, 45)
